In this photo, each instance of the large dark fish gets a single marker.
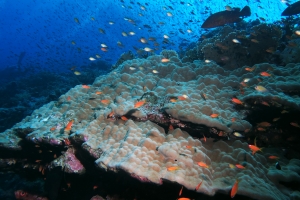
(292, 9)
(226, 17)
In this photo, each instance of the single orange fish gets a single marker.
(95, 187)
(182, 98)
(53, 128)
(295, 124)
(239, 166)
(261, 129)
(180, 192)
(214, 115)
(124, 118)
(105, 101)
(86, 87)
(265, 103)
(69, 125)
(202, 164)
(68, 98)
(111, 114)
(198, 186)
(98, 92)
(174, 168)
(173, 100)
(273, 157)
(254, 148)
(188, 147)
(183, 198)
(250, 69)
(171, 127)
(265, 74)
(67, 142)
(234, 189)
(233, 119)
(236, 101)
(139, 104)
(164, 60)
(204, 138)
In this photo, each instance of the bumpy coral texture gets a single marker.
(144, 150)
(257, 47)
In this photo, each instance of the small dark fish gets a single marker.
(277, 165)
(292, 9)
(92, 98)
(226, 17)
(182, 154)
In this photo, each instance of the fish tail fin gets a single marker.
(246, 12)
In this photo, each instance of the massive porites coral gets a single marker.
(113, 120)
(233, 48)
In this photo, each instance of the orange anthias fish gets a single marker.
(182, 98)
(202, 164)
(86, 87)
(124, 118)
(139, 104)
(204, 138)
(69, 125)
(265, 74)
(295, 124)
(174, 168)
(180, 192)
(239, 166)
(236, 101)
(105, 101)
(214, 115)
(68, 98)
(98, 92)
(53, 128)
(165, 60)
(234, 189)
(273, 157)
(183, 198)
(250, 69)
(198, 186)
(254, 148)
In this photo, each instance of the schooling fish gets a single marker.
(292, 9)
(226, 17)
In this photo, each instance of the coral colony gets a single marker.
(137, 121)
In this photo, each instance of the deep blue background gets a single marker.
(44, 29)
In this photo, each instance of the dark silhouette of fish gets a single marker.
(226, 17)
(292, 9)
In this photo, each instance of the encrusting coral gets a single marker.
(235, 48)
(122, 120)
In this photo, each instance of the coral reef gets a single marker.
(158, 122)
(233, 48)
(31, 90)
